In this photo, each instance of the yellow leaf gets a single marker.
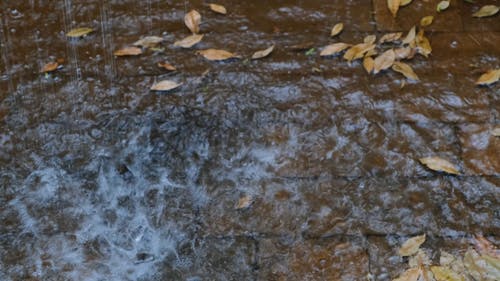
(410, 37)
(337, 29)
(384, 61)
(443, 5)
(244, 202)
(439, 164)
(49, 67)
(444, 273)
(370, 39)
(371, 53)
(411, 274)
(166, 65)
(425, 21)
(216, 55)
(192, 21)
(423, 45)
(486, 11)
(404, 53)
(404, 3)
(128, 51)
(263, 53)
(419, 259)
(490, 77)
(218, 9)
(411, 245)
(148, 41)
(368, 64)
(358, 51)
(480, 268)
(405, 69)
(165, 85)
(390, 37)
(79, 32)
(393, 6)
(334, 49)
(189, 41)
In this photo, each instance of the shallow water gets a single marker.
(102, 179)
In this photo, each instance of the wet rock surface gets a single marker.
(101, 179)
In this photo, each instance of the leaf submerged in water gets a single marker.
(165, 85)
(128, 51)
(263, 53)
(148, 42)
(192, 21)
(218, 8)
(216, 55)
(443, 5)
(486, 11)
(336, 29)
(334, 49)
(440, 165)
(167, 66)
(49, 67)
(79, 32)
(425, 21)
(189, 41)
(393, 6)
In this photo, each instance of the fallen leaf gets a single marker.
(371, 53)
(165, 85)
(192, 21)
(490, 77)
(334, 49)
(404, 53)
(444, 273)
(337, 29)
(425, 21)
(244, 202)
(216, 55)
(411, 274)
(79, 32)
(263, 53)
(410, 37)
(384, 61)
(496, 132)
(419, 259)
(393, 6)
(439, 164)
(166, 65)
(370, 39)
(485, 247)
(368, 64)
(486, 11)
(148, 42)
(49, 67)
(411, 245)
(189, 41)
(358, 51)
(476, 266)
(405, 69)
(443, 5)
(423, 45)
(390, 37)
(404, 3)
(218, 8)
(128, 51)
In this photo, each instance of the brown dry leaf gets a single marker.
(189, 41)
(404, 53)
(358, 51)
(218, 8)
(425, 21)
(337, 29)
(485, 247)
(444, 273)
(166, 65)
(334, 49)
(368, 63)
(443, 5)
(439, 164)
(404, 3)
(486, 11)
(370, 39)
(496, 132)
(263, 53)
(148, 41)
(419, 259)
(390, 37)
(393, 6)
(411, 245)
(79, 32)
(128, 51)
(423, 45)
(410, 37)
(405, 69)
(244, 202)
(490, 77)
(411, 274)
(384, 61)
(165, 85)
(217, 55)
(49, 67)
(192, 21)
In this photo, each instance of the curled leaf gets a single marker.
(390, 37)
(189, 41)
(393, 6)
(166, 65)
(411, 246)
(425, 21)
(423, 45)
(405, 69)
(486, 11)
(244, 202)
(411, 274)
(488, 78)
(148, 42)
(128, 51)
(49, 67)
(358, 51)
(337, 29)
(384, 61)
(79, 32)
(334, 49)
(216, 55)
(410, 37)
(440, 165)
(263, 53)
(192, 21)
(368, 63)
(218, 9)
(443, 5)
(165, 85)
